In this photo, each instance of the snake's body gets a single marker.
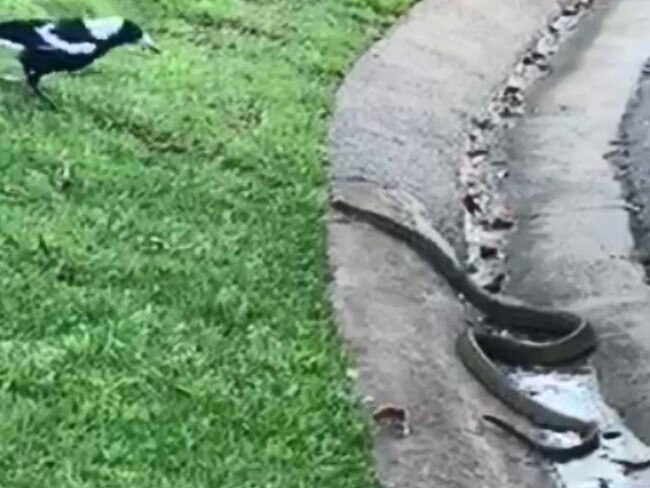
(475, 349)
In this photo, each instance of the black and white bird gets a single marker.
(45, 46)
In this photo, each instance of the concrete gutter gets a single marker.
(572, 246)
(401, 121)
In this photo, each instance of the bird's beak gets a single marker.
(147, 44)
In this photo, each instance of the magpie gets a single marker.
(45, 46)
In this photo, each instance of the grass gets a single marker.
(162, 258)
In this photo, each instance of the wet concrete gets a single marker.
(578, 394)
(572, 246)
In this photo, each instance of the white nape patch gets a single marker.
(57, 43)
(12, 46)
(102, 29)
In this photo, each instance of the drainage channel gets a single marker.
(538, 188)
(487, 216)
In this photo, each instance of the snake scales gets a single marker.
(575, 336)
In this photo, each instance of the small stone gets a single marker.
(471, 205)
(618, 142)
(474, 153)
(488, 252)
(394, 417)
(389, 412)
(511, 90)
(352, 374)
(508, 112)
(612, 434)
(570, 10)
(502, 221)
(496, 284)
(482, 124)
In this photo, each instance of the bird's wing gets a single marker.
(72, 30)
(15, 33)
(57, 37)
(7, 46)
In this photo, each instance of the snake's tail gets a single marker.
(558, 454)
(510, 429)
(632, 466)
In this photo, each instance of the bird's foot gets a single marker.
(50, 104)
(32, 82)
(45, 99)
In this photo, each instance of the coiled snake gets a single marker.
(401, 216)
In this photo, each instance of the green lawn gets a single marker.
(162, 258)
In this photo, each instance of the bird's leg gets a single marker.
(33, 80)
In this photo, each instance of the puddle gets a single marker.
(578, 395)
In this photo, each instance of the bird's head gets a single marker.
(118, 31)
(132, 33)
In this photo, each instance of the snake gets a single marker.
(573, 337)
